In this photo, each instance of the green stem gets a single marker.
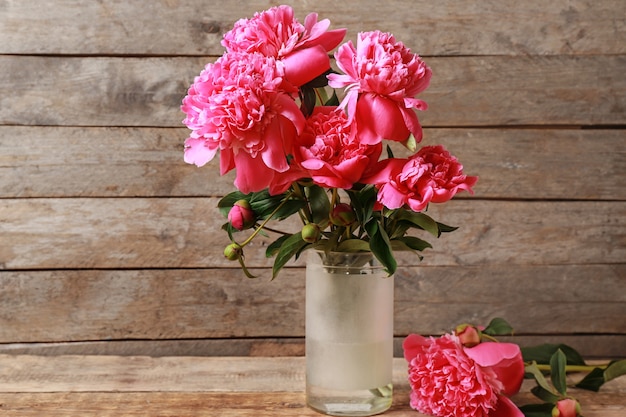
(306, 216)
(572, 368)
(488, 337)
(280, 232)
(322, 96)
(262, 225)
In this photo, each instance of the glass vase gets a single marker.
(349, 334)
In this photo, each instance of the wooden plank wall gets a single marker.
(109, 243)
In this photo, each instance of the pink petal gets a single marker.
(391, 197)
(331, 39)
(351, 169)
(227, 161)
(384, 170)
(382, 116)
(252, 174)
(412, 123)
(196, 152)
(339, 80)
(313, 164)
(344, 58)
(489, 354)
(273, 154)
(288, 108)
(304, 65)
(414, 344)
(320, 35)
(504, 358)
(505, 408)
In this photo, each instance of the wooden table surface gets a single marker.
(76, 385)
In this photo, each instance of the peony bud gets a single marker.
(567, 407)
(468, 335)
(233, 252)
(342, 215)
(241, 215)
(311, 232)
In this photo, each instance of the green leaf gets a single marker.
(419, 220)
(415, 243)
(398, 229)
(544, 394)
(363, 203)
(288, 208)
(498, 327)
(543, 353)
(381, 246)
(558, 362)
(615, 369)
(226, 203)
(264, 204)
(598, 376)
(333, 100)
(353, 245)
(292, 245)
(319, 203)
(543, 389)
(308, 99)
(537, 410)
(444, 228)
(593, 380)
(274, 247)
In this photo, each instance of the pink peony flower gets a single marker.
(331, 153)
(431, 175)
(303, 49)
(446, 176)
(448, 380)
(382, 77)
(241, 106)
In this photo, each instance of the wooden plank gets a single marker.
(61, 306)
(590, 346)
(102, 386)
(83, 373)
(25, 373)
(179, 232)
(147, 162)
(465, 91)
(226, 404)
(506, 27)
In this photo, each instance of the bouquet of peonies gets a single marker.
(270, 106)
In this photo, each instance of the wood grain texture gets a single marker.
(447, 27)
(109, 241)
(102, 386)
(590, 346)
(172, 232)
(202, 304)
(185, 404)
(147, 162)
(464, 91)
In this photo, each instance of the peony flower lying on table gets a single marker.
(468, 373)
(451, 379)
(269, 108)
